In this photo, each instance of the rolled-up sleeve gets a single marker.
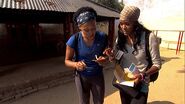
(154, 50)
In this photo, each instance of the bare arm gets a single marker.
(80, 65)
(69, 56)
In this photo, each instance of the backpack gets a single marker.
(155, 75)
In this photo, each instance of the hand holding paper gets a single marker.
(126, 76)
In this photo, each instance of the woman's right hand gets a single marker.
(80, 65)
(138, 78)
(109, 53)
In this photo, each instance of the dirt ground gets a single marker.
(168, 89)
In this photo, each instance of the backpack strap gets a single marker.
(148, 56)
(154, 76)
(106, 41)
(76, 51)
(76, 45)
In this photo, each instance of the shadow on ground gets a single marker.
(9, 70)
(161, 102)
(109, 89)
(166, 59)
(181, 70)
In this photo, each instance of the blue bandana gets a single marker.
(85, 17)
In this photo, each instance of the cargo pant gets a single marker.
(93, 84)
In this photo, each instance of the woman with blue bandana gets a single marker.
(87, 46)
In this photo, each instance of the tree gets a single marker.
(114, 4)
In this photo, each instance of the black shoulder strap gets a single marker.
(107, 44)
(76, 45)
(154, 76)
(148, 56)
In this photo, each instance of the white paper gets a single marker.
(119, 74)
(127, 83)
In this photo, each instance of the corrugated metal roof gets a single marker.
(46, 5)
(102, 11)
(56, 5)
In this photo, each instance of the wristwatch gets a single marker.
(144, 75)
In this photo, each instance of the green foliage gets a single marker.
(110, 3)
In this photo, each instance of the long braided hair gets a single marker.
(122, 39)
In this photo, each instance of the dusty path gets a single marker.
(168, 89)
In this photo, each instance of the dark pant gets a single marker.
(94, 84)
(141, 98)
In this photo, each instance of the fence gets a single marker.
(179, 41)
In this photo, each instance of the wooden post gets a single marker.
(179, 42)
(111, 32)
(67, 26)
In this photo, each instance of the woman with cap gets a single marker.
(131, 42)
(87, 46)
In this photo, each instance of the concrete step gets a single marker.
(25, 79)
(13, 92)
